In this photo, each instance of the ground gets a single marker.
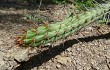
(89, 49)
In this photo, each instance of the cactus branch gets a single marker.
(48, 33)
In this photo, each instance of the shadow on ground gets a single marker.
(45, 56)
(23, 5)
(13, 18)
(12, 21)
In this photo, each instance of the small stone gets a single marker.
(58, 66)
(63, 60)
(89, 28)
(12, 8)
(48, 67)
(1, 42)
(50, 61)
(69, 59)
(34, 68)
(21, 55)
(69, 49)
(20, 25)
(78, 49)
(57, 13)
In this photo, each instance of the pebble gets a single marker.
(12, 9)
(64, 60)
(21, 55)
(58, 66)
(89, 28)
(69, 49)
(1, 42)
(48, 67)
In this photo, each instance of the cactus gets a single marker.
(49, 33)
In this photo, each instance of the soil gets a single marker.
(89, 49)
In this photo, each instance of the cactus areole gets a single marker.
(49, 33)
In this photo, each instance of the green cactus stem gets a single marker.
(49, 33)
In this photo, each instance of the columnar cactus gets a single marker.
(49, 33)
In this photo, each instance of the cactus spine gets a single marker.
(48, 33)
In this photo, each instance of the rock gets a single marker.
(21, 55)
(69, 59)
(35, 68)
(90, 28)
(48, 67)
(50, 61)
(63, 60)
(12, 8)
(69, 49)
(1, 42)
(58, 66)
